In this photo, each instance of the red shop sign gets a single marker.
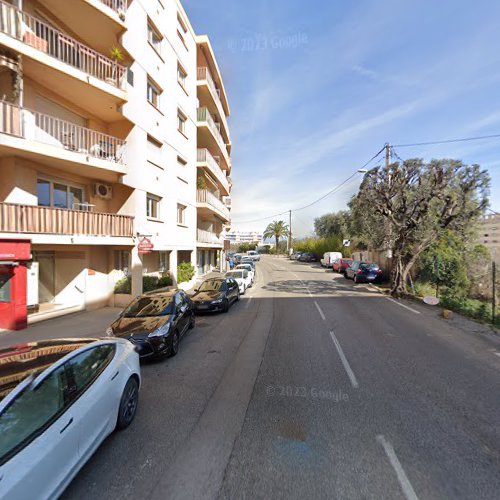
(145, 246)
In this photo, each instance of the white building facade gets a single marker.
(99, 146)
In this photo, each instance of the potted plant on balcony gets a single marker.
(116, 55)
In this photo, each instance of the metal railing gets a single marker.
(119, 6)
(204, 236)
(51, 220)
(205, 116)
(205, 196)
(203, 73)
(204, 156)
(39, 127)
(38, 34)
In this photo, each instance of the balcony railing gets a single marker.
(119, 6)
(205, 196)
(38, 34)
(51, 220)
(39, 127)
(203, 73)
(204, 156)
(205, 116)
(203, 236)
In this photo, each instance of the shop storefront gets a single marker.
(14, 256)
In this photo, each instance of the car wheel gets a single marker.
(192, 321)
(238, 296)
(225, 309)
(174, 348)
(128, 404)
(355, 280)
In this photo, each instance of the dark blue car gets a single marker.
(367, 272)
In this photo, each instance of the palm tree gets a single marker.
(276, 230)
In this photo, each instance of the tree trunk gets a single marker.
(277, 243)
(398, 277)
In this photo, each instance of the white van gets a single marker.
(329, 257)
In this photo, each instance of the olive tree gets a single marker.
(410, 205)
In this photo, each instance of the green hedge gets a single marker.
(185, 272)
(320, 246)
(149, 283)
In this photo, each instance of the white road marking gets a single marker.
(320, 311)
(248, 301)
(497, 353)
(402, 305)
(347, 367)
(406, 486)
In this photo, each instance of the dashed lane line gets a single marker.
(347, 366)
(320, 311)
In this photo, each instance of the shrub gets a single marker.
(185, 272)
(123, 285)
(149, 283)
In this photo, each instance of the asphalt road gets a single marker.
(311, 387)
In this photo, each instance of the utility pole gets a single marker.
(388, 231)
(289, 231)
(494, 300)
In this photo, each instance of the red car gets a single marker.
(340, 265)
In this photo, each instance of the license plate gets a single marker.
(203, 307)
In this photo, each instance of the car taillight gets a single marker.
(379, 271)
(360, 271)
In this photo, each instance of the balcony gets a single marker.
(208, 203)
(209, 95)
(206, 160)
(60, 62)
(33, 219)
(99, 23)
(207, 238)
(47, 139)
(209, 135)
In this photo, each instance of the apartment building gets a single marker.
(489, 235)
(103, 142)
(213, 159)
(238, 237)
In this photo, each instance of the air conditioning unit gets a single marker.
(103, 191)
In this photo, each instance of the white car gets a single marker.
(249, 268)
(59, 399)
(329, 257)
(254, 255)
(241, 277)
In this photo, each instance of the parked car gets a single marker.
(249, 261)
(295, 255)
(216, 294)
(237, 258)
(59, 400)
(251, 270)
(241, 277)
(329, 257)
(340, 265)
(353, 269)
(368, 272)
(155, 322)
(254, 255)
(308, 257)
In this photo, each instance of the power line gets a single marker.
(333, 190)
(447, 141)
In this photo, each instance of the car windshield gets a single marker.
(235, 274)
(210, 286)
(371, 266)
(145, 307)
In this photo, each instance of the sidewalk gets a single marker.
(81, 324)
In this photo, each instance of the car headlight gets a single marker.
(109, 332)
(218, 301)
(160, 332)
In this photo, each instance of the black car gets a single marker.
(216, 294)
(155, 322)
(308, 257)
(367, 272)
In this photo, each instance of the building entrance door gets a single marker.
(46, 276)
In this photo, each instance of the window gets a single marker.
(130, 77)
(153, 153)
(5, 280)
(181, 161)
(60, 194)
(122, 261)
(154, 37)
(163, 261)
(181, 122)
(88, 365)
(33, 411)
(181, 76)
(153, 206)
(153, 93)
(181, 210)
(181, 22)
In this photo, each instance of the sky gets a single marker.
(316, 88)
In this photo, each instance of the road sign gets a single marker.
(346, 243)
(145, 246)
